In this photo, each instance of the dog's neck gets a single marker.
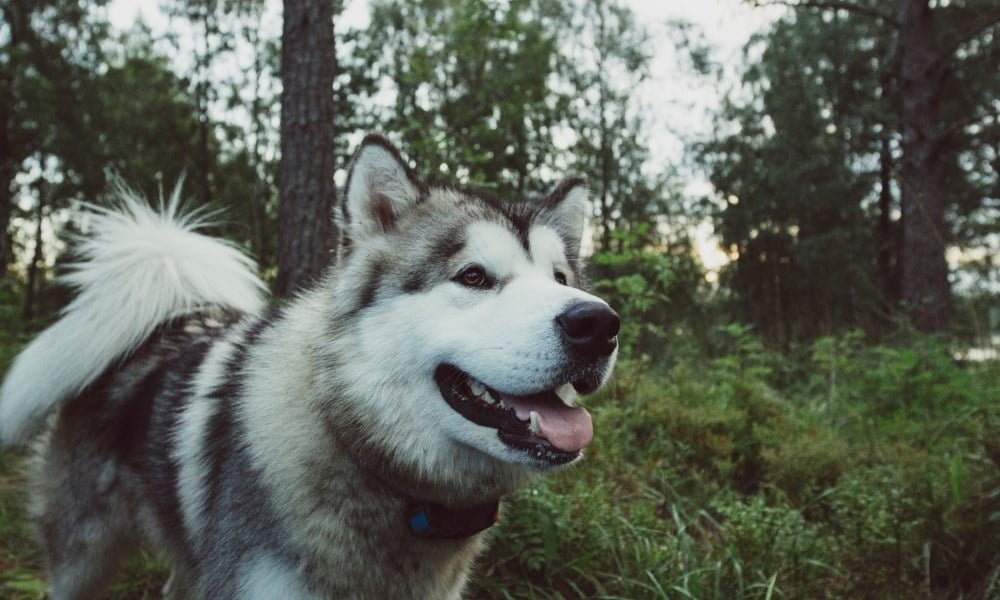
(430, 520)
(337, 487)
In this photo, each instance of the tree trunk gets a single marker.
(605, 203)
(884, 237)
(925, 288)
(204, 160)
(201, 98)
(307, 192)
(8, 160)
(258, 207)
(7, 171)
(28, 312)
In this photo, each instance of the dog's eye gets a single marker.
(473, 276)
(560, 277)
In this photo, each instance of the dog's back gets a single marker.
(153, 296)
(144, 382)
(106, 477)
(138, 268)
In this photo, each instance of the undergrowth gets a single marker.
(873, 474)
(843, 471)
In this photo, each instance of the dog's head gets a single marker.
(466, 335)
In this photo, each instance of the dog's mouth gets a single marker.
(547, 424)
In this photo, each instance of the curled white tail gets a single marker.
(138, 267)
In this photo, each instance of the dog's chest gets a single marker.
(367, 557)
(354, 541)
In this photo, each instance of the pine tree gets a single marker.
(307, 192)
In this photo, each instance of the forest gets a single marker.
(814, 415)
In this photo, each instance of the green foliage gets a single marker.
(864, 471)
(849, 502)
(473, 97)
(657, 292)
(637, 283)
(606, 56)
(789, 202)
(805, 165)
(838, 467)
(20, 559)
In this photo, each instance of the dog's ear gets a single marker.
(565, 210)
(380, 187)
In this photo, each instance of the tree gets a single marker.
(84, 105)
(947, 59)
(47, 99)
(480, 89)
(146, 120)
(232, 166)
(837, 105)
(307, 192)
(8, 161)
(936, 47)
(211, 41)
(46, 52)
(608, 58)
(28, 310)
(260, 79)
(791, 206)
(472, 86)
(355, 85)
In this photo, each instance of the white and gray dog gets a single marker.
(352, 443)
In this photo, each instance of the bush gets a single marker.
(841, 470)
(733, 480)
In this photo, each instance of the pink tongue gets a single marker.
(567, 428)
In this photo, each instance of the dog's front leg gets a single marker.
(267, 577)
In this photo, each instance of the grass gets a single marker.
(716, 482)
(20, 560)
(852, 471)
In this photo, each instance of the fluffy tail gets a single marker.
(138, 267)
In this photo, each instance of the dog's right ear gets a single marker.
(565, 209)
(380, 187)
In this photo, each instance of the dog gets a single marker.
(352, 443)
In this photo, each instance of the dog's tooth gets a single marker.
(567, 394)
(488, 398)
(533, 422)
(477, 387)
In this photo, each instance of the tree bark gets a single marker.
(8, 159)
(884, 236)
(258, 208)
(7, 171)
(307, 192)
(28, 310)
(604, 203)
(925, 288)
(202, 60)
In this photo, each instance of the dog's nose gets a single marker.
(590, 328)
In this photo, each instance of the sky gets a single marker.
(678, 105)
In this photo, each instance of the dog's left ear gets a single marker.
(565, 210)
(380, 187)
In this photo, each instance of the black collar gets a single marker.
(436, 521)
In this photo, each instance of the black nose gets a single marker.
(590, 328)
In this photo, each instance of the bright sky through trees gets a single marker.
(679, 104)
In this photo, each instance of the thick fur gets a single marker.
(274, 454)
(138, 267)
